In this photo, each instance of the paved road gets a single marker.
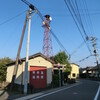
(99, 97)
(85, 90)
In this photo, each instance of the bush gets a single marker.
(2, 72)
(55, 80)
(3, 68)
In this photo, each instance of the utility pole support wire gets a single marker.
(18, 54)
(19, 50)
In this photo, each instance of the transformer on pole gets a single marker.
(47, 41)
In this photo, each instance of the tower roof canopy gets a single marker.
(47, 16)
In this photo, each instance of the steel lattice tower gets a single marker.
(47, 41)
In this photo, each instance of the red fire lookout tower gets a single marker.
(47, 41)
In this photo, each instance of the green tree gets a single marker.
(6, 60)
(61, 58)
(3, 68)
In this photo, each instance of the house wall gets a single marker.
(19, 75)
(38, 61)
(74, 72)
(9, 73)
(49, 76)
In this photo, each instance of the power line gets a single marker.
(84, 18)
(75, 11)
(82, 14)
(84, 58)
(39, 13)
(61, 45)
(8, 20)
(77, 25)
(77, 48)
(81, 20)
(88, 17)
(58, 41)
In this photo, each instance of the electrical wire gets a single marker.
(26, 2)
(77, 25)
(8, 20)
(76, 13)
(42, 18)
(58, 41)
(77, 48)
(85, 20)
(88, 17)
(80, 19)
(84, 59)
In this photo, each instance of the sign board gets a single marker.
(58, 65)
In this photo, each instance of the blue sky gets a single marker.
(62, 25)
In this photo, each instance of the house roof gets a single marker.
(32, 57)
(82, 69)
(90, 68)
(75, 64)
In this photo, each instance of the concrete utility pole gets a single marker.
(27, 51)
(27, 55)
(95, 51)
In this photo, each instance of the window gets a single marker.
(73, 74)
(33, 77)
(37, 77)
(33, 72)
(41, 77)
(37, 72)
(41, 72)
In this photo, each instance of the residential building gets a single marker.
(90, 71)
(39, 71)
(74, 72)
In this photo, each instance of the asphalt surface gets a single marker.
(99, 97)
(82, 90)
(85, 90)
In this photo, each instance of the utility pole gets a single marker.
(27, 55)
(27, 51)
(70, 63)
(95, 51)
(28, 16)
(20, 45)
